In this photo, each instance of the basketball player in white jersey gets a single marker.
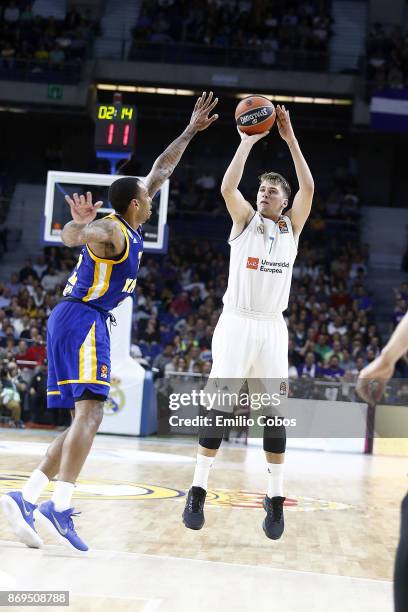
(250, 340)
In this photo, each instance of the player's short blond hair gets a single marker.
(276, 179)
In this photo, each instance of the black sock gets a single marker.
(401, 563)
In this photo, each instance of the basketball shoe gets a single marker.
(60, 525)
(193, 515)
(20, 515)
(274, 523)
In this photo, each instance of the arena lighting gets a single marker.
(150, 90)
(323, 101)
(107, 87)
(301, 99)
(127, 88)
(10, 109)
(190, 92)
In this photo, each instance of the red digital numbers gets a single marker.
(115, 136)
(126, 131)
(111, 132)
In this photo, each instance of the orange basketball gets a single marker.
(255, 114)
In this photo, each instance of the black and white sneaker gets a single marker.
(274, 523)
(193, 515)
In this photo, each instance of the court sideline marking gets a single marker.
(48, 551)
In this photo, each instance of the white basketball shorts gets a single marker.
(249, 348)
(253, 350)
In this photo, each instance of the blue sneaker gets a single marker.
(19, 513)
(60, 525)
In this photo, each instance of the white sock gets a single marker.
(202, 470)
(62, 495)
(275, 480)
(34, 486)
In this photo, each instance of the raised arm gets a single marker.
(240, 210)
(166, 162)
(104, 236)
(302, 202)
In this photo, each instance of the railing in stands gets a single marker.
(243, 57)
(40, 71)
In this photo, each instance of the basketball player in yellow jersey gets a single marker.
(250, 340)
(78, 340)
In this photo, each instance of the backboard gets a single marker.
(57, 212)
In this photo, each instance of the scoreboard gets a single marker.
(115, 127)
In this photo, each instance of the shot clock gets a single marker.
(115, 127)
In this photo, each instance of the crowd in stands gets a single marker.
(401, 303)
(332, 333)
(202, 195)
(179, 299)
(387, 57)
(26, 301)
(400, 309)
(273, 29)
(33, 44)
(332, 329)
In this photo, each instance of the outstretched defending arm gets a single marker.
(240, 210)
(104, 236)
(166, 162)
(381, 369)
(302, 202)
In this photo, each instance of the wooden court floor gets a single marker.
(342, 521)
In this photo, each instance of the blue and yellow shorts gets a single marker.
(78, 347)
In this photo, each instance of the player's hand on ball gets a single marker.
(252, 138)
(82, 209)
(284, 124)
(200, 119)
(373, 378)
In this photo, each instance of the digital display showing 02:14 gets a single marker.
(110, 112)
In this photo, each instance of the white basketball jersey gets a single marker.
(260, 270)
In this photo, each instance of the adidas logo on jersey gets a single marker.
(129, 285)
(252, 263)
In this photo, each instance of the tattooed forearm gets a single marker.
(164, 165)
(104, 233)
(105, 238)
(73, 234)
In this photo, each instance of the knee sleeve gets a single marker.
(401, 563)
(274, 439)
(212, 433)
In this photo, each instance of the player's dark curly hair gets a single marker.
(276, 179)
(122, 191)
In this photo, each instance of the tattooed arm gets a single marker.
(104, 236)
(168, 160)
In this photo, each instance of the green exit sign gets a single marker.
(55, 92)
